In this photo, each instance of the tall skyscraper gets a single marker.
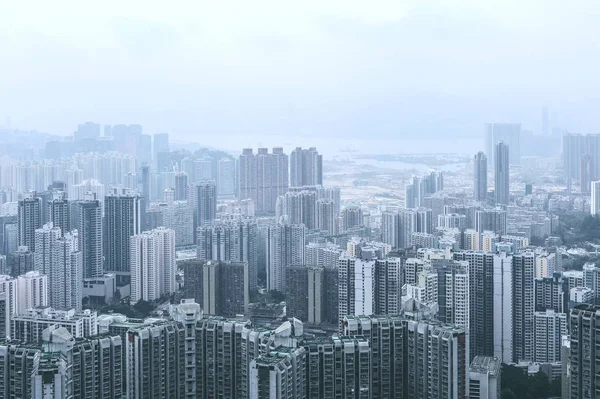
(206, 199)
(226, 178)
(226, 288)
(153, 268)
(263, 177)
(481, 301)
(306, 167)
(503, 307)
(510, 134)
(501, 174)
(30, 218)
(284, 248)
(523, 305)
(327, 220)
(60, 211)
(352, 216)
(160, 144)
(398, 225)
(155, 361)
(181, 186)
(576, 148)
(584, 353)
(298, 207)
(58, 256)
(480, 177)
(122, 220)
(418, 187)
(586, 174)
(231, 241)
(88, 222)
(444, 374)
(549, 328)
(145, 185)
(356, 287)
(595, 198)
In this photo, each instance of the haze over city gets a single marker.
(335, 69)
(299, 200)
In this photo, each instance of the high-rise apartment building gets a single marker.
(503, 307)
(398, 225)
(122, 220)
(356, 287)
(160, 144)
(306, 167)
(444, 373)
(418, 187)
(58, 256)
(263, 177)
(231, 241)
(181, 186)
(501, 174)
(29, 218)
(481, 301)
(59, 211)
(279, 373)
(480, 176)
(584, 353)
(549, 328)
(298, 207)
(218, 360)
(226, 178)
(156, 361)
(88, 222)
(226, 289)
(352, 216)
(284, 248)
(595, 198)
(510, 134)
(206, 202)
(523, 305)
(153, 267)
(552, 293)
(338, 366)
(581, 153)
(326, 220)
(193, 272)
(492, 219)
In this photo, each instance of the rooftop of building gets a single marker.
(485, 364)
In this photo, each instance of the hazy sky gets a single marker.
(312, 67)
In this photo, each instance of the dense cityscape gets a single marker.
(133, 267)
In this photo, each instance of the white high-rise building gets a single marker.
(503, 307)
(32, 291)
(595, 198)
(166, 257)
(8, 303)
(44, 239)
(356, 286)
(65, 277)
(284, 248)
(549, 328)
(143, 256)
(153, 267)
(226, 178)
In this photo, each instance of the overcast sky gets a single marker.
(311, 67)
